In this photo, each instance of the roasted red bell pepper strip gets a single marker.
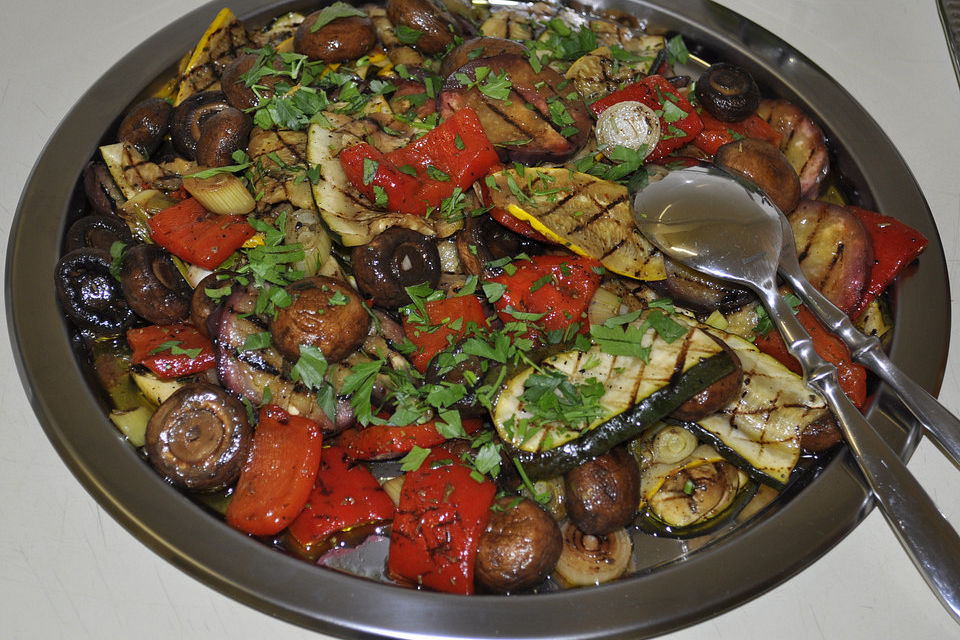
(345, 495)
(895, 245)
(443, 510)
(171, 351)
(852, 376)
(447, 321)
(279, 473)
(419, 176)
(195, 235)
(383, 441)
(717, 133)
(679, 121)
(557, 287)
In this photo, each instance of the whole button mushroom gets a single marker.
(186, 125)
(326, 313)
(235, 87)
(728, 92)
(199, 438)
(395, 259)
(519, 547)
(337, 40)
(153, 286)
(145, 124)
(603, 494)
(436, 25)
(221, 135)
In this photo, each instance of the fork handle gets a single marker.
(931, 542)
(938, 423)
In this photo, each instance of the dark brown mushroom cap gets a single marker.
(98, 231)
(728, 92)
(519, 547)
(222, 134)
(153, 286)
(483, 240)
(89, 294)
(102, 192)
(186, 124)
(202, 305)
(436, 25)
(602, 495)
(199, 438)
(326, 313)
(235, 88)
(395, 259)
(145, 124)
(339, 40)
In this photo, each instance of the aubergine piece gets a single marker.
(89, 294)
(529, 117)
(199, 438)
(477, 48)
(765, 166)
(801, 141)
(835, 251)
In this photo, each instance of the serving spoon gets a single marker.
(718, 225)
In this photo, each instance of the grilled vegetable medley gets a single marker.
(369, 277)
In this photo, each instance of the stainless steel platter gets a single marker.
(795, 530)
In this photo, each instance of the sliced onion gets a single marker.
(588, 559)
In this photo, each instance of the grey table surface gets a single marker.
(68, 570)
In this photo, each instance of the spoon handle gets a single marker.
(929, 539)
(938, 423)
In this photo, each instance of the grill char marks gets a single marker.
(539, 121)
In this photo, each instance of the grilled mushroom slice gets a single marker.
(199, 438)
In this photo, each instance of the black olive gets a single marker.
(89, 294)
(483, 240)
(396, 259)
(221, 135)
(98, 231)
(145, 125)
(186, 124)
(199, 438)
(153, 286)
(728, 92)
(102, 192)
(455, 367)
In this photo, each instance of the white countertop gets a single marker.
(68, 570)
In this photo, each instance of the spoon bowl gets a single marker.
(726, 228)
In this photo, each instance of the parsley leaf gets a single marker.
(334, 11)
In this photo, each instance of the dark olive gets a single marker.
(728, 92)
(199, 438)
(395, 259)
(186, 125)
(456, 367)
(222, 134)
(202, 305)
(145, 125)
(483, 240)
(98, 231)
(339, 40)
(102, 192)
(765, 166)
(326, 313)
(519, 547)
(89, 294)
(436, 25)
(602, 495)
(238, 93)
(153, 286)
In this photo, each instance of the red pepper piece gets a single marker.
(895, 245)
(717, 133)
(279, 473)
(192, 233)
(559, 287)
(443, 510)
(448, 320)
(454, 154)
(400, 188)
(382, 441)
(165, 363)
(345, 495)
(852, 376)
(677, 128)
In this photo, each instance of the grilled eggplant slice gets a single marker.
(528, 118)
(835, 251)
(801, 140)
(589, 216)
